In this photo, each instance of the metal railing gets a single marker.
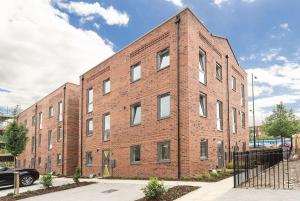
(262, 168)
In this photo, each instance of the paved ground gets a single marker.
(130, 190)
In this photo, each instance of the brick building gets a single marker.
(52, 125)
(173, 103)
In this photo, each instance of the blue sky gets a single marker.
(263, 33)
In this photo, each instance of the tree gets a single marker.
(282, 122)
(15, 138)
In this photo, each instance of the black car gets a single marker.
(27, 176)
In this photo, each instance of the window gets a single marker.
(106, 126)
(233, 83)
(243, 120)
(218, 71)
(25, 123)
(24, 163)
(164, 151)
(49, 139)
(163, 59)
(234, 128)
(202, 67)
(39, 139)
(39, 161)
(219, 115)
(40, 120)
(32, 144)
(58, 159)
(106, 86)
(242, 95)
(32, 163)
(33, 120)
(89, 159)
(136, 112)
(60, 111)
(59, 133)
(135, 154)
(135, 72)
(164, 106)
(204, 149)
(90, 97)
(203, 105)
(89, 127)
(51, 111)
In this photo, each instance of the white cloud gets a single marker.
(96, 25)
(110, 14)
(40, 51)
(177, 3)
(248, 58)
(259, 90)
(270, 54)
(248, 1)
(285, 26)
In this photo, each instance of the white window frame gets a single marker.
(132, 69)
(242, 95)
(204, 112)
(164, 52)
(202, 66)
(106, 86)
(234, 120)
(40, 120)
(159, 98)
(60, 111)
(90, 100)
(133, 113)
(219, 109)
(106, 131)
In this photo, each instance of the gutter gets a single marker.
(63, 133)
(80, 123)
(35, 123)
(228, 107)
(177, 22)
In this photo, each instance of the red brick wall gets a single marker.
(153, 83)
(70, 134)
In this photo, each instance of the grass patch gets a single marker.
(28, 194)
(172, 193)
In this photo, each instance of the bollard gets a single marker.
(16, 183)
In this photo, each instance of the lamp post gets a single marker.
(253, 112)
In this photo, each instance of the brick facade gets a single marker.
(184, 88)
(38, 152)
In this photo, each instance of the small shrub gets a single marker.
(76, 175)
(46, 180)
(229, 165)
(154, 189)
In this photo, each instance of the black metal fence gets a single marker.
(262, 168)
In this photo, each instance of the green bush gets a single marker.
(76, 175)
(229, 165)
(46, 180)
(154, 188)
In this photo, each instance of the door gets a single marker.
(6, 176)
(49, 164)
(220, 154)
(106, 163)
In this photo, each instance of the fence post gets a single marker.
(234, 170)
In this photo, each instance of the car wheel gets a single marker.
(26, 180)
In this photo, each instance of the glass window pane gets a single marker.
(202, 69)
(106, 86)
(107, 122)
(165, 106)
(164, 59)
(202, 105)
(136, 114)
(136, 72)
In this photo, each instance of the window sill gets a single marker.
(204, 84)
(163, 118)
(220, 130)
(165, 67)
(165, 161)
(203, 158)
(89, 135)
(203, 116)
(89, 165)
(106, 94)
(106, 140)
(133, 125)
(135, 163)
(133, 81)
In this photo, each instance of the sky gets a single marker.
(45, 43)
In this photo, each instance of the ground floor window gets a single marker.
(58, 159)
(89, 159)
(204, 149)
(163, 149)
(135, 154)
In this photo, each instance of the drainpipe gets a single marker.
(63, 133)
(177, 22)
(80, 123)
(228, 107)
(35, 132)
